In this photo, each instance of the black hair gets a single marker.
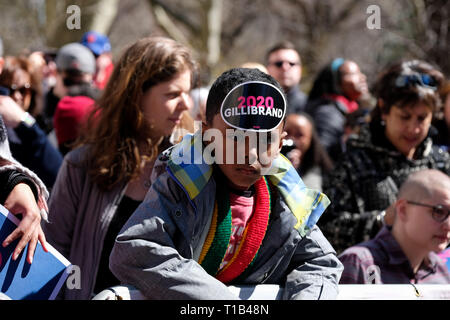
(227, 81)
(283, 45)
(401, 95)
(316, 153)
(327, 81)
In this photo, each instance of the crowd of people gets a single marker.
(347, 187)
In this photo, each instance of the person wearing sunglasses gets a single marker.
(406, 252)
(15, 80)
(394, 143)
(23, 193)
(28, 143)
(283, 62)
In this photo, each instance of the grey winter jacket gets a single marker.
(157, 249)
(79, 217)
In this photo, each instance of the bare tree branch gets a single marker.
(214, 27)
(180, 17)
(166, 23)
(347, 11)
(106, 12)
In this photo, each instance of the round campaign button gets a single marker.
(254, 106)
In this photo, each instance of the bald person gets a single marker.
(406, 251)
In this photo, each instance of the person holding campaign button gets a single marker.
(241, 220)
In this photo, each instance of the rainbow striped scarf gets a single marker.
(218, 239)
(193, 173)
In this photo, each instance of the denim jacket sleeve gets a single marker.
(153, 250)
(316, 269)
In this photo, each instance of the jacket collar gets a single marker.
(395, 254)
(372, 136)
(188, 166)
(345, 104)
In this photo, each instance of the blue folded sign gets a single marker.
(19, 280)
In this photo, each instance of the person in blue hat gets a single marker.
(101, 48)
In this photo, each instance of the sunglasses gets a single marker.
(24, 90)
(279, 64)
(420, 79)
(439, 213)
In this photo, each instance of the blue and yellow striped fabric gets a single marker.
(306, 204)
(193, 176)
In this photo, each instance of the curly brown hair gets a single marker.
(117, 133)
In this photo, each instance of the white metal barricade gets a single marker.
(346, 292)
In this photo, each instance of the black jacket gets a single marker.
(365, 182)
(11, 178)
(31, 147)
(296, 100)
(330, 119)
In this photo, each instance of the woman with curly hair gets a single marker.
(395, 143)
(103, 181)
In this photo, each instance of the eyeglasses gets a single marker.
(439, 213)
(24, 90)
(279, 64)
(424, 80)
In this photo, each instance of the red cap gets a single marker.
(70, 114)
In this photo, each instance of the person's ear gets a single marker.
(400, 209)
(282, 137)
(2, 62)
(382, 105)
(205, 126)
